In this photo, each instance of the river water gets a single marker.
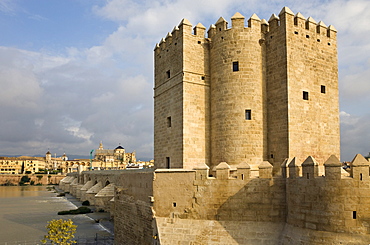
(25, 210)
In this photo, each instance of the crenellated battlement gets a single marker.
(297, 21)
(185, 28)
(286, 20)
(310, 169)
(331, 169)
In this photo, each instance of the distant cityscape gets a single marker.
(100, 159)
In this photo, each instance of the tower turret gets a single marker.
(237, 93)
(48, 156)
(181, 92)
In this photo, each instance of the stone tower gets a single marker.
(265, 92)
(302, 88)
(181, 98)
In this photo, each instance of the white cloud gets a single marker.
(355, 135)
(356, 84)
(7, 6)
(19, 89)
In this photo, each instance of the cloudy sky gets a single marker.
(76, 72)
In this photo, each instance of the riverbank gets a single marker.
(25, 211)
(36, 179)
(101, 218)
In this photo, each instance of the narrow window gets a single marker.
(323, 89)
(305, 95)
(308, 175)
(203, 77)
(168, 74)
(174, 205)
(360, 176)
(272, 155)
(236, 66)
(168, 162)
(169, 122)
(354, 215)
(248, 115)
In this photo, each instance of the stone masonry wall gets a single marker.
(133, 212)
(181, 95)
(312, 64)
(213, 232)
(277, 91)
(325, 204)
(234, 139)
(196, 103)
(132, 220)
(306, 63)
(209, 198)
(168, 100)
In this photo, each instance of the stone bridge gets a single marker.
(97, 187)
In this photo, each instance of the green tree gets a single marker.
(60, 232)
(24, 179)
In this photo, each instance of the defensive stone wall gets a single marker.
(134, 221)
(191, 231)
(231, 195)
(297, 204)
(337, 202)
(133, 214)
(302, 206)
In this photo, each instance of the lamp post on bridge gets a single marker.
(91, 152)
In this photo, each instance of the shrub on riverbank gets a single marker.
(25, 179)
(80, 210)
(86, 203)
(8, 183)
